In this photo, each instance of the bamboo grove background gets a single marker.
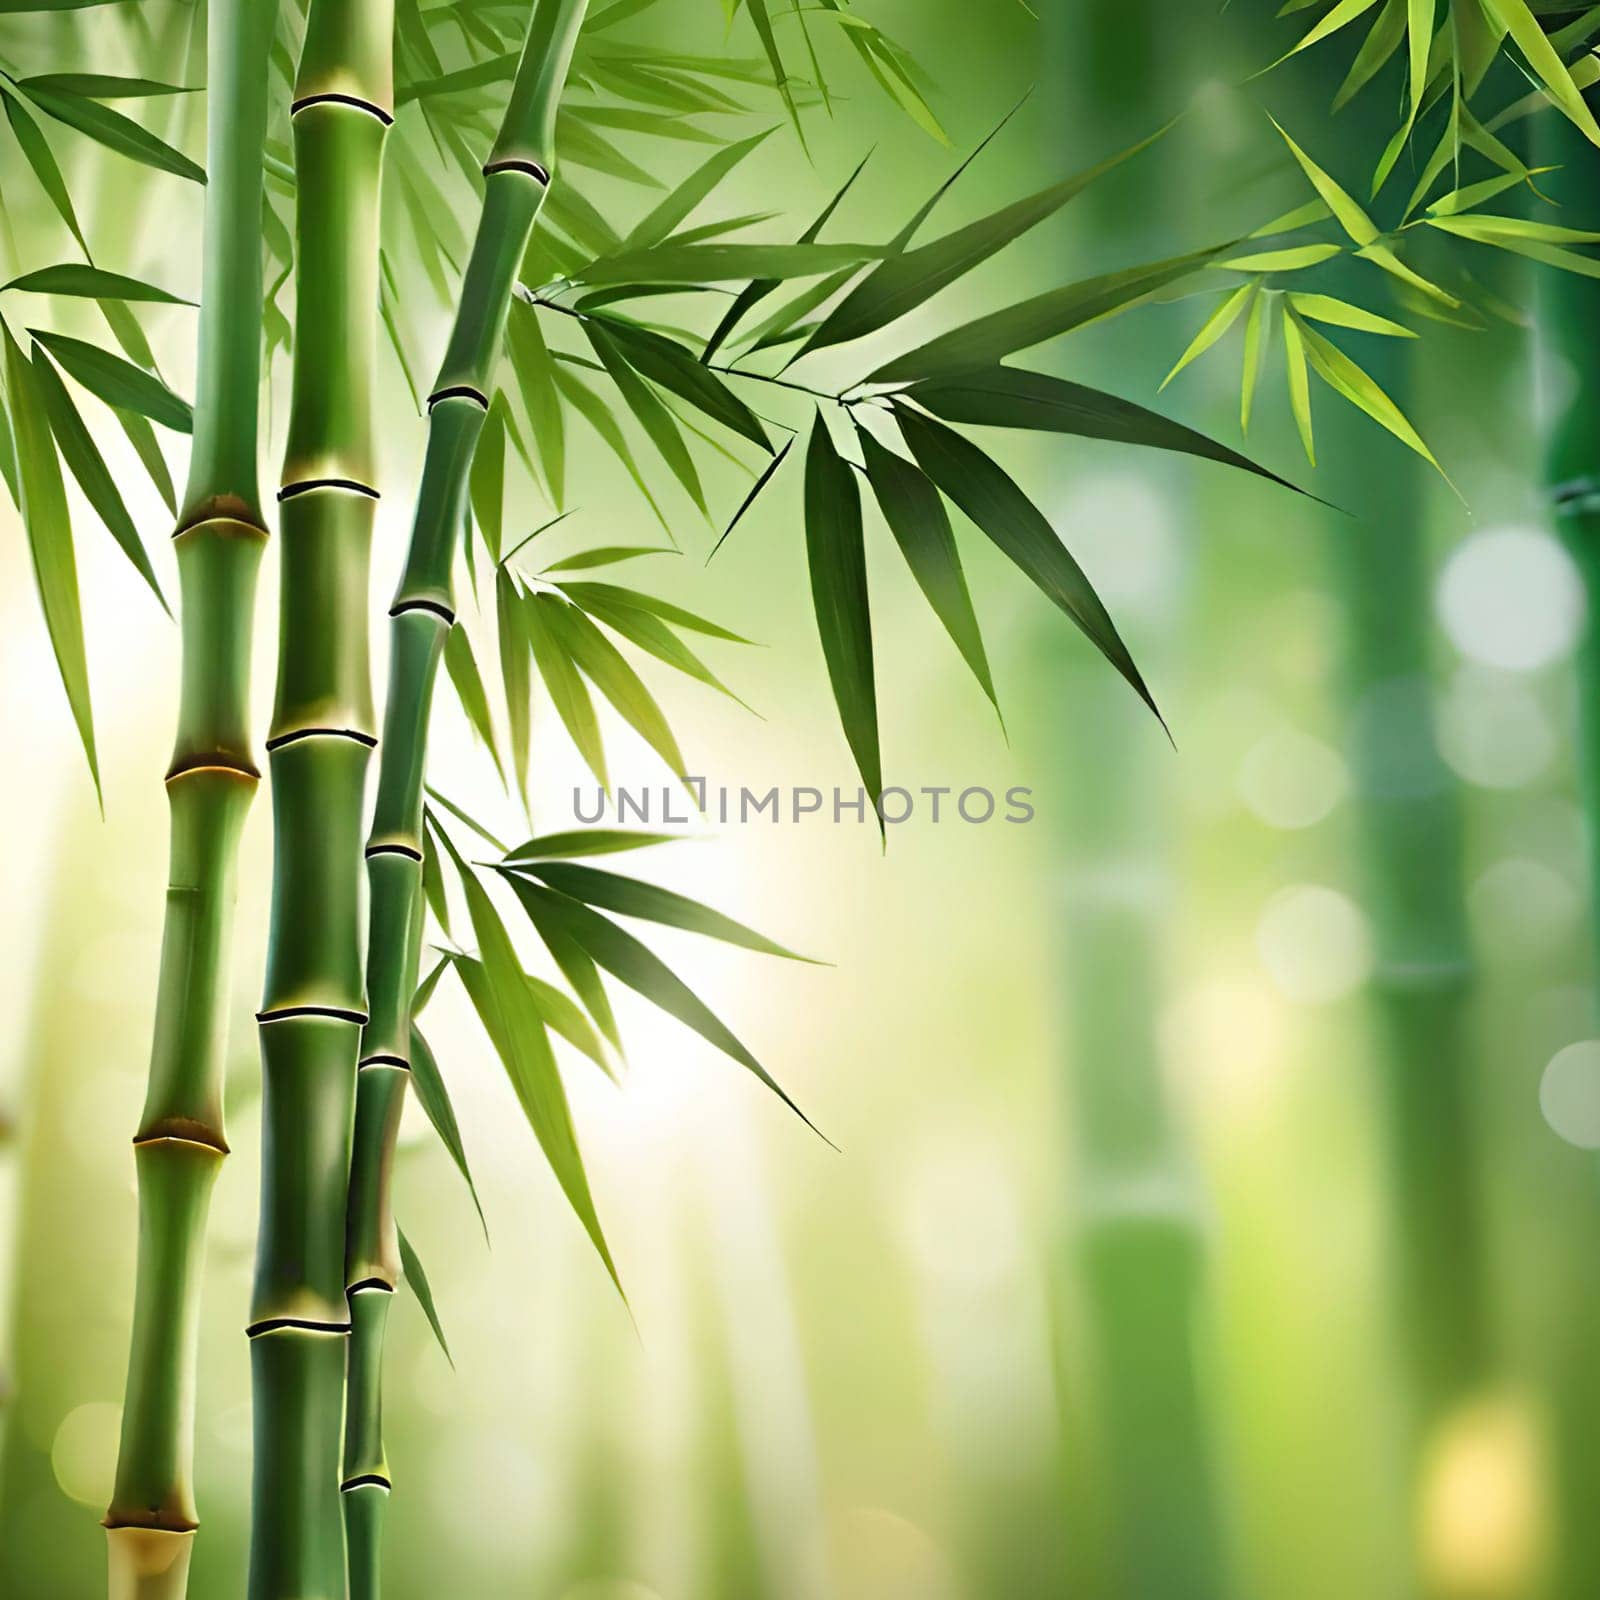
(909, 1370)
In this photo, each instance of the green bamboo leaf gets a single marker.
(769, 472)
(1345, 12)
(49, 530)
(1382, 256)
(607, 555)
(562, 1013)
(786, 325)
(994, 503)
(1212, 329)
(463, 669)
(37, 153)
(600, 661)
(1339, 372)
(512, 629)
(589, 593)
(836, 557)
(584, 842)
(1382, 40)
(1292, 221)
(1256, 329)
(649, 411)
(116, 132)
(1508, 232)
(505, 1005)
(595, 412)
(1529, 37)
(631, 897)
(486, 482)
(434, 1099)
(634, 964)
(673, 263)
(1293, 259)
(667, 363)
(916, 516)
(905, 281)
(688, 194)
(1006, 397)
(91, 283)
(433, 888)
(1341, 314)
(411, 1266)
(118, 382)
(652, 635)
(762, 20)
(1294, 355)
(82, 456)
(536, 381)
(580, 971)
(460, 816)
(97, 85)
(148, 449)
(757, 290)
(1419, 21)
(1474, 194)
(1349, 215)
(989, 340)
(566, 688)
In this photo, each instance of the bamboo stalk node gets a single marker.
(182, 1130)
(332, 1013)
(214, 761)
(515, 164)
(384, 1059)
(310, 485)
(405, 850)
(443, 612)
(366, 1480)
(369, 1286)
(270, 1325)
(354, 101)
(458, 391)
(227, 515)
(278, 741)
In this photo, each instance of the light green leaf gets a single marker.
(434, 1099)
(1341, 314)
(649, 633)
(585, 842)
(411, 1265)
(1337, 370)
(1293, 259)
(689, 193)
(1255, 353)
(607, 555)
(37, 153)
(468, 681)
(512, 629)
(1347, 213)
(91, 283)
(49, 530)
(1529, 37)
(118, 382)
(566, 687)
(1294, 355)
(115, 131)
(1213, 328)
(719, 263)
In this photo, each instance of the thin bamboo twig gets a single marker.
(323, 733)
(210, 783)
(517, 176)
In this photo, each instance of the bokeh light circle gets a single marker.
(1569, 1094)
(1511, 598)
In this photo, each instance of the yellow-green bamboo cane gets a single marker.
(517, 176)
(211, 781)
(321, 740)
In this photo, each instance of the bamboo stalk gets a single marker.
(517, 177)
(210, 783)
(322, 736)
(1410, 833)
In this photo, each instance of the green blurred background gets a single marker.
(916, 1369)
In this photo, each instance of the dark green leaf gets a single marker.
(664, 362)
(987, 494)
(590, 593)
(905, 281)
(836, 556)
(512, 629)
(1004, 397)
(921, 527)
(97, 85)
(648, 410)
(561, 1012)
(630, 897)
(651, 634)
(486, 482)
(37, 153)
(585, 842)
(689, 193)
(567, 691)
(118, 382)
(530, 360)
(607, 555)
(718, 263)
(641, 969)
(83, 457)
(145, 445)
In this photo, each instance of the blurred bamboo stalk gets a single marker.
(1569, 325)
(211, 782)
(1140, 1244)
